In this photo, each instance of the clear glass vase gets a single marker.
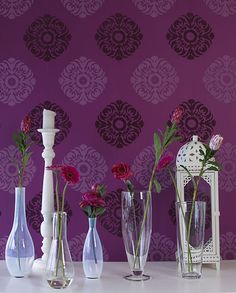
(19, 252)
(60, 268)
(92, 252)
(190, 218)
(136, 231)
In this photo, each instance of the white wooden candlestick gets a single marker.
(48, 135)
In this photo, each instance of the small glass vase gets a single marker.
(92, 252)
(136, 231)
(19, 252)
(190, 218)
(60, 268)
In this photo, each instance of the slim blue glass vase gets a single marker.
(19, 253)
(92, 252)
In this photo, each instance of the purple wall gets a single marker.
(114, 71)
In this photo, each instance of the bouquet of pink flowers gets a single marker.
(93, 203)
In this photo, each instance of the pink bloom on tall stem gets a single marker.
(25, 125)
(70, 174)
(121, 171)
(164, 162)
(215, 142)
(177, 115)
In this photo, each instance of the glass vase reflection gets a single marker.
(19, 252)
(92, 252)
(136, 231)
(60, 268)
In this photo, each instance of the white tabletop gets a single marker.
(164, 278)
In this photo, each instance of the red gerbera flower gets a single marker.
(70, 174)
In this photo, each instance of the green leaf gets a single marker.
(214, 163)
(157, 144)
(157, 185)
(212, 168)
(87, 210)
(129, 185)
(99, 211)
(102, 190)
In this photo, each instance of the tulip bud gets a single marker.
(177, 115)
(215, 142)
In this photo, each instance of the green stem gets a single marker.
(182, 211)
(191, 216)
(146, 210)
(57, 195)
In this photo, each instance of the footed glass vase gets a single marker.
(136, 231)
(60, 268)
(92, 252)
(190, 218)
(19, 252)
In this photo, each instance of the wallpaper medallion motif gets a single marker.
(190, 36)
(197, 120)
(154, 8)
(47, 37)
(12, 9)
(118, 36)
(82, 8)
(228, 245)
(16, 81)
(223, 8)
(220, 77)
(119, 124)
(83, 80)
(227, 159)
(155, 80)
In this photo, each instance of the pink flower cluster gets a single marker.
(92, 199)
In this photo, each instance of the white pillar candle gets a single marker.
(48, 119)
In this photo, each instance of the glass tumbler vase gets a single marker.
(190, 218)
(136, 231)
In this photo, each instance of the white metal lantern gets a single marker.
(189, 156)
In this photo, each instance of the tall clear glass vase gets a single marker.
(19, 253)
(92, 252)
(136, 231)
(190, 218)
(60, 268)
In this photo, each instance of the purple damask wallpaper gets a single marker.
(114, 71)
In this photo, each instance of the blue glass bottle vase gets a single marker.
(92, 252)
(19, 252)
